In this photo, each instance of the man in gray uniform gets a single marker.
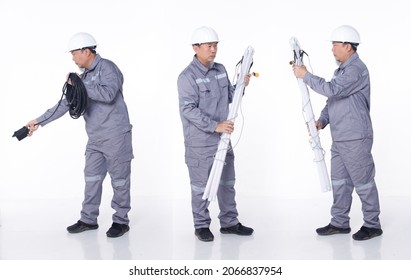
(204, 96)
(348, 113)
(109, 147)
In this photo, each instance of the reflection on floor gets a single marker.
(161, 229)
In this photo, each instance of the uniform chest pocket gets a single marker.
(205, 92)
(92, 78)
(222, 81)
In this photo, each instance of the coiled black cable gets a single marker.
(76, 95)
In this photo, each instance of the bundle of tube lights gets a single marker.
(214, 178)
(310, 119)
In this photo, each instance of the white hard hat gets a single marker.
(81, 40)
(345, 34)
(204, 34)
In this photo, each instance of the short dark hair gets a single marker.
(92, 49)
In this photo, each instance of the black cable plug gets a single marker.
(21, 133)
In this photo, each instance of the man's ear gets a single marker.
(196, 47)
(349, 47)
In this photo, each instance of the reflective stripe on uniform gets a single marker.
(366, 186)
(119, 183)
(339, 182)
(221, 76)
(200, 80)
(197, 189)
(229, 183)
(93, 178)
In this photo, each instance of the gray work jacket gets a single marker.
(348, 105)
(106, 115)
(204, 98)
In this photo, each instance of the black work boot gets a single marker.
(80, 227)
(238, 229)
(117, 230)
(204, 234)
(330, 229)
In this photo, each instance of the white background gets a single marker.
(150, 42)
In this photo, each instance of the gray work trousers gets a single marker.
(199, 161)
(352, 167)
(112, 156)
